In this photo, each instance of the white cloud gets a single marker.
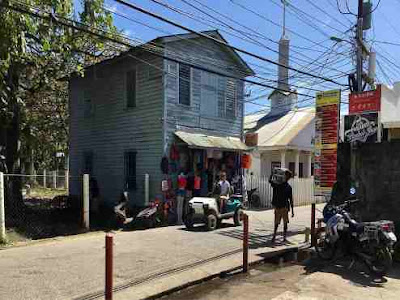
(127, 32)
(112, 8)
(326, 24)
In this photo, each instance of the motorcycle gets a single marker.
(371, 242)
(150, 216)
(120, 208)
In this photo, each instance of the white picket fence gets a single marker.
(303, 190)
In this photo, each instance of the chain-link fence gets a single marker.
(37, 206)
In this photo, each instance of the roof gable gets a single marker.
(282, 130)
(245, 68)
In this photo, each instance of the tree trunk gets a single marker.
(14, 202)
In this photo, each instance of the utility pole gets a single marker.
(359, 43)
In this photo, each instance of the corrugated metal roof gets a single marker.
(280, 132)
(200, 140)
(250, 121)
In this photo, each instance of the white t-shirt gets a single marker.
(225, 187)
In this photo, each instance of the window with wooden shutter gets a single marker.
(184, 84)
(131, 88)
(231, 98)
(130, 169)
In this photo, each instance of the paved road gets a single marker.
(311, 281)
(73, 268)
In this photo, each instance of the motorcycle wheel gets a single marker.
(381, 262)
(325, 250)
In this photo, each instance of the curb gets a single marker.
(60, 238)
(223, 273)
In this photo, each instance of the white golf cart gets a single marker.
(206, 210)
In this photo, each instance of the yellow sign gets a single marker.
(328, 98)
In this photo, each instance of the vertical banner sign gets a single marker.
(326, 141)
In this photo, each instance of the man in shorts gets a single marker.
(282, 201)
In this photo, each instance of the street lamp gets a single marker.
(339, 40)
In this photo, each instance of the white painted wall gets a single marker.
(262, 166)
(390, 106)
(305, 136)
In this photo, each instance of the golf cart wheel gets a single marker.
(237, 218)
(212, 222)
(189, 221)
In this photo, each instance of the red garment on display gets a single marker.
(182, 182)
(197, 182)
(174, 153)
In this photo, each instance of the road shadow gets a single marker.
(358, 273)
(256, 209)
(203, 227)
(260, 238)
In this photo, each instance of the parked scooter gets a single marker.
(371, 242)
(120, 210)
(150, 216)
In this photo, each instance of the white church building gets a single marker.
(284, 135)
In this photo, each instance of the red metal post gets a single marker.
(245, 243)
(313, 236)
(109, 266)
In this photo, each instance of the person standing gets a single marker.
(224, 190)
(282, 201)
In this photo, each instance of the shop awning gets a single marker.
(200, 140)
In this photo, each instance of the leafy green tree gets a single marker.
(37, 52)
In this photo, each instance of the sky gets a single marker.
(252, 25)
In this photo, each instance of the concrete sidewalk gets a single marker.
(310, 280)
(146, 262)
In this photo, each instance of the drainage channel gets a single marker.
(268, 264)
(135, 282)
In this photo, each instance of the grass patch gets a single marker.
(41, 192)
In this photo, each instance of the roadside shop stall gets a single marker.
(195, 162)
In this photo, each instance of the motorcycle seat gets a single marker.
(353, 224)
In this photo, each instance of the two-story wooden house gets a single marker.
(127, 112)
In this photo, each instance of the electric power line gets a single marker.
(214, 62)
(325, 13)
(279, 25)
(252, 40)
(137, 8)
(143, 47)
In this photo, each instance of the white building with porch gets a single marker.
(285, 141)
(283, 137)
